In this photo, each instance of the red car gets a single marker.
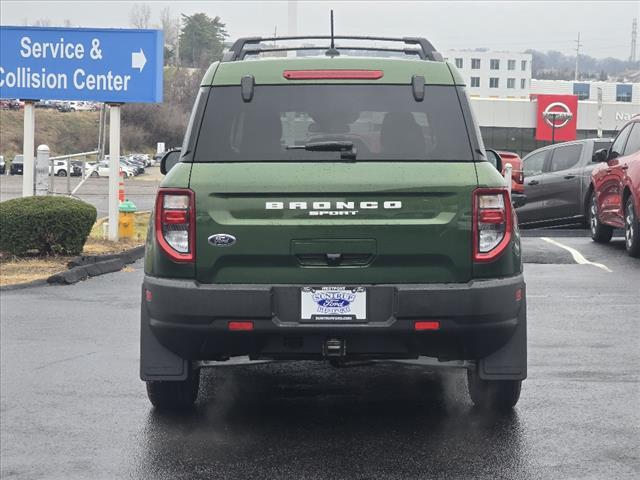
(517, 177)
(616, 186)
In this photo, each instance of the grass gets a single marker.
(64, 133)
(15, 270)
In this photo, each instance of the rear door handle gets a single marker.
(569, 177)
(533, 182)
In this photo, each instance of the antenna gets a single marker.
(332, 52)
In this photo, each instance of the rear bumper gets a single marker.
(480, 320)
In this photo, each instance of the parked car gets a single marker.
(395, 241)
(3, 165)
(500, 159)
(60, 169)
(46, 104)
(616, 186)
(557, 181)
(17, 164)
(8, 104)
(104, 169)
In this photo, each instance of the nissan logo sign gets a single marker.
(557, 114)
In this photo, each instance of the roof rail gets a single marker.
(237, 50)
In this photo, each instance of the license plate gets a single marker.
(333, 304)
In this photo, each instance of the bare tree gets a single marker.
(140, 15)
(169, 26)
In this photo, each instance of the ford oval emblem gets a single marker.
(222, 240)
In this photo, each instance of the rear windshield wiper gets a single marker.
(346, 148)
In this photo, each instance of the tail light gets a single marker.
(492, 223)
(175, 223)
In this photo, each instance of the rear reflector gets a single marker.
(518, 294)
(333, 74)
(240, 326)
(173, 217)
(427, 326)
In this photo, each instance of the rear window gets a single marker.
(384, 122)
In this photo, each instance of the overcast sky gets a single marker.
(604, 26)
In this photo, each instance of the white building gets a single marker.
(493, 74)
(611, 91)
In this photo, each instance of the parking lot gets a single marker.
(73, 406)
(140, 190)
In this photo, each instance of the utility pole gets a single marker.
(634, 36)
(578, 45)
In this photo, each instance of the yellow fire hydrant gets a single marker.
(127, 220)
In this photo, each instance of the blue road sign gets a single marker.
(103, 65)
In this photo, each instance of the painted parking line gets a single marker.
(577, 256)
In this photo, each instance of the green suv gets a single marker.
(333, 208)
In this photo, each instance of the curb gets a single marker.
(84, 267)
(19, 286)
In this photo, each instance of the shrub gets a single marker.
(50, 225)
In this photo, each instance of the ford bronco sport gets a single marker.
(333, 208)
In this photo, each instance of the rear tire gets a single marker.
(174, 396)
(600, 232)
(631, 229)
(61, 173)
(497, 395)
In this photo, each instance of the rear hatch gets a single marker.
(395, 209)
(334, 223)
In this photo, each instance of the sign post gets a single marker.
(114, 66)
(28, 146)
(114, 169)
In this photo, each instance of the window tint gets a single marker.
(619, 142)
(633, 143)
(384, 122)
(565, 157)
(533, 164)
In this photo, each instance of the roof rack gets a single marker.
(237, 51)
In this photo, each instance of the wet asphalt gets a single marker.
(72, 406)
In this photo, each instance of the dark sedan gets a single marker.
(17, 164)
(557, 183)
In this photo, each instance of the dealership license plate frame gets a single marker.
(327, 304)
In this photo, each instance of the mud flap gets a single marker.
(156, 361)
(510, 361)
